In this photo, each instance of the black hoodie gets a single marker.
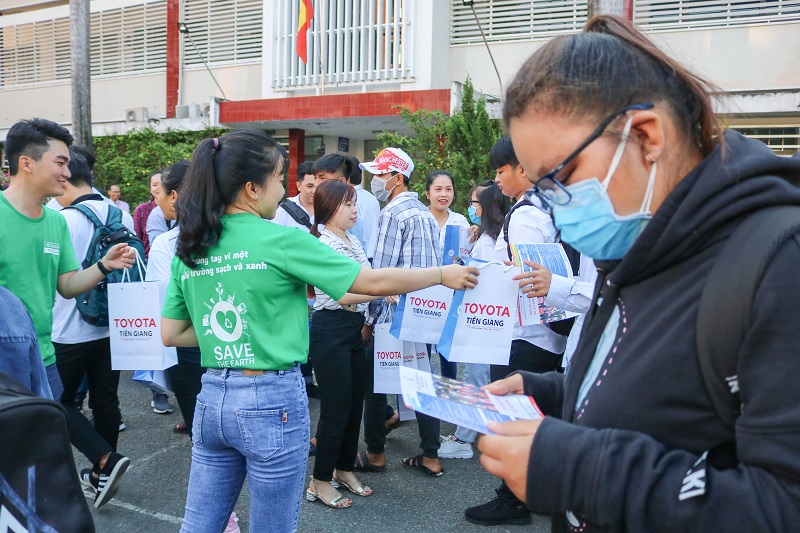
(630, 456)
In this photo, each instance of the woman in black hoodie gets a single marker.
(623, 143)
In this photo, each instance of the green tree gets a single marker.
(127, 160)
(459, 144)
(470, 137)
(426, 146)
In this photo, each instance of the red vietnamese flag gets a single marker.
(303, 23)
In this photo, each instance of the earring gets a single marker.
(255, 197)
(650, 158)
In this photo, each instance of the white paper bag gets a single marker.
(134, 322)
(481, 320)
(388, 356)
(421, 315)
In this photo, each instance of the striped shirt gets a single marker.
(408, 236)
(351, 249)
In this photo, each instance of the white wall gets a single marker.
(240, 82)
(110, 98)
(764, 59)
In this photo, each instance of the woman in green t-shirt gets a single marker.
(237, 290)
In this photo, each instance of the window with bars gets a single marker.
(783, 139)
(130, 39)
(350, 41)
(126, 40)
(684, 14)
(224, 31)
(508, 20)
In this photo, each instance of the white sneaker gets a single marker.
(452, 449)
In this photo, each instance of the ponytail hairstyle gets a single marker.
(494, 208)
(329, 196)
(606, 67)
(218, 171)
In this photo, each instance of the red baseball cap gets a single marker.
(390, 160)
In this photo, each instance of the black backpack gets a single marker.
(296, 212)
(724, 313)
(39, 485)
(93, 304)
(561, 327)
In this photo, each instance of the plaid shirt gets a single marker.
(408, 237)
(140, 224)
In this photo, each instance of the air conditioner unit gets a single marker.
(206, 110)
(137, 114)
(181, 111)
(195, 111)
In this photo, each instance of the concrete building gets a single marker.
(364, 58)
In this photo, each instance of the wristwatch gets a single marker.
(103, 269)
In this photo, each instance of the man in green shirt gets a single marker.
(36, 254)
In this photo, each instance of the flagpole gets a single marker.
(321, 48)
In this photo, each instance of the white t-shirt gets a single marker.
(156, 224)
(55, 206)
(369, 211)
(531, 224)
(68, 326)
(484, 248)
(162, 250)
(453, 219)
(283, 218)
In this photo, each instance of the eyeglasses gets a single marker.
(550, 187)
(474, 202)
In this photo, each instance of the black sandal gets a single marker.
(416, 464)
(363, 464)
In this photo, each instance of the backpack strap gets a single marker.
(507, 222)
(723, 317)
(88, 213)
(296, 212)
(114, 215)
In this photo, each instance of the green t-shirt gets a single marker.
(33, 253)
(247, 298)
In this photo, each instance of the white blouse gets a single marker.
(354, 251)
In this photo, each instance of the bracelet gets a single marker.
(103, 270)
(440, 276)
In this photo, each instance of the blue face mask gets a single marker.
(590, 224)
(472, 216)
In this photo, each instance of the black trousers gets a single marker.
(185, 379)
(375, 411)
(341, 369)
(92, 358)
(524, 356)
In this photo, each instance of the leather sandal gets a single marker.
(416, 464)
(311, 495)
(360, 490)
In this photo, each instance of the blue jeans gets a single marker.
(255, 426)
(55, 381)
(474, 374)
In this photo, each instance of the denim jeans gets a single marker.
(254, 426)
(54, 381)
(474, 374)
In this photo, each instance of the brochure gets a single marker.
(551, 256)
(463, 404)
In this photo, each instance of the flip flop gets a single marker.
(363, 465)
(416, 464)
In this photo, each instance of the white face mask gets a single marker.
(378, 187)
